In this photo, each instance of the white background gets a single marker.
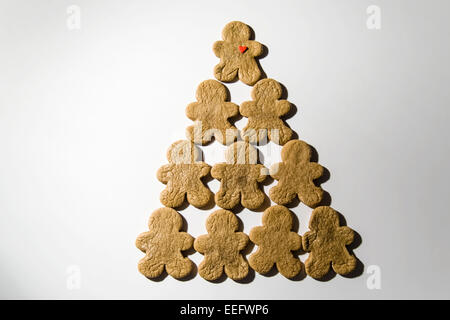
(86, 117)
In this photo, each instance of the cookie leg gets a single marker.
(195, 134)
(190, 134)
(344, 266)
(260, 262)
(249, 72)
(230, 135)
(200, 197)
(227, 200)
(317, 268)
(310, 195)
(252, 198)
(225, 71)
(281, 194)
(238, 269)
(179, 268)
(252, 134)
(150, 267)
(172, 198)
(210, 270)
(280, 135)
(289, 266)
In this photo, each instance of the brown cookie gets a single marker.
(210, 115)
(163, 245)
(237, 54)
(264, 113)
(326, 241)
(276, 242)
(296, 175)
(183, 176)
(239, 177)
(221, 247)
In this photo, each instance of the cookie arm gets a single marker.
(295, 241)
(276, 170)
(217, 171)
(256, 235)
(163, 173)
(242, 240)
(186, 241)
(141, 241)
(231, 109)
(282, 107)
(262, 173)
(201, 244)
(217, 48)
(247, 108)
(316, 170)
(255, 48)
(205, 169)
(346, 234)
(192, 111)
(308, 239)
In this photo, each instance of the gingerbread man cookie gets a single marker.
(221, 247)
(296, 175)
(163, 245)
(264, 114)
(326, 241)
(239, 177)
(276, 242)
(210, 115)
(237, 54)
(183, 176)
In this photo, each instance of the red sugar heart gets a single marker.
(242, 49)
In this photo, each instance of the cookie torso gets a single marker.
(240, 177)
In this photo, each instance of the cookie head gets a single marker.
(267, 90)
(183, 152)
(324, 218)
(165, 220)
(278, 216)
(241, 153)
(296, 150)
(211, 91)
(222, 220)
(236, 31)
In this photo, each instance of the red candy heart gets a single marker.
(242, 49)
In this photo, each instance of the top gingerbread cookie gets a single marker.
(237, 54)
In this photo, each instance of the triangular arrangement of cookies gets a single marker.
(240, 177)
